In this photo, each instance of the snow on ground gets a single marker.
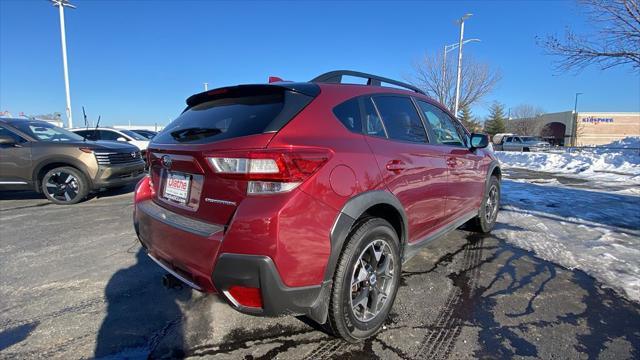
(609, 162)
(596, 232)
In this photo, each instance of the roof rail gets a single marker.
(335, 77)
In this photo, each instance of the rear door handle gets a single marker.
(396, 166)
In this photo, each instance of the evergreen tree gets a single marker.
(467, 119)
(496, 121)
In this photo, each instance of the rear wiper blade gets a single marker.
(195, 132)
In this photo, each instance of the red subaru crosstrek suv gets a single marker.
(307, 197)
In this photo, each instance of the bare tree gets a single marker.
(438, 79)
(616, 41)
(523, 118)
(526, 111)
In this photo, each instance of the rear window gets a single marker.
(224, 118)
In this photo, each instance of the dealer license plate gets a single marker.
(176, 187)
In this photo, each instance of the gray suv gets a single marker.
(65, 167)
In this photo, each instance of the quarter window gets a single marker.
(349, 114)
(443, 127)
(400, 118)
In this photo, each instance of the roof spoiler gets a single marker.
(308, 89)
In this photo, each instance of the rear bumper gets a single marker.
(260, 272)
(200, 266)
(183, 246)
(118, 175)
(262, 249)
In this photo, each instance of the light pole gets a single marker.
(574, 137)
(61, 4)
(461, 21)
(448, 48)
(575, 105)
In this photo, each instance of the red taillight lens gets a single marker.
(246, 296)
(270, 171)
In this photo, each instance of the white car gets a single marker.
(111, 134)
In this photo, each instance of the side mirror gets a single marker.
(479, 141)
(7, 140)
(121, 139)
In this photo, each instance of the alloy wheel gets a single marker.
(62, 186)
(372, 280)
(491, 206)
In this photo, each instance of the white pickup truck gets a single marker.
(511, 142)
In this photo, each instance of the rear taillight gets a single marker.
(270, 171)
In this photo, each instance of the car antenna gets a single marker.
(86, 125)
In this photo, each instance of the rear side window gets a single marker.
(88, 134)
(109, 135)
(400, 119)
(349, 115)
(223, 118)
(6, 132)
(373, 124)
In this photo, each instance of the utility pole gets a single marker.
(460, 43)
(61, 4)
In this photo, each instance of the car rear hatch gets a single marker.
(222, 123)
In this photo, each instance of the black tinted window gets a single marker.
(400, 118)
(109, 135)
(444, 128)
(88, 134)
(11, 134)
(349, 114)
(223, 118)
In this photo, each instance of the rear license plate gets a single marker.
(176, 187)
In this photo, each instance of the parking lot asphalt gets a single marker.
(76, 284)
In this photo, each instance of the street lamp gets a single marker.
(574, 135)
(448, 48)
(575, 105)
(461, 21)
(61, 4)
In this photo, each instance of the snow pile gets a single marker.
(609, 159)
(596, 232)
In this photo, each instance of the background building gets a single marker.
(581, 129)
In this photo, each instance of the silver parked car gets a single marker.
(524, 143)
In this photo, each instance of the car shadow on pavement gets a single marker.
(144, 319)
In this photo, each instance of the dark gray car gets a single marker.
(65, 167)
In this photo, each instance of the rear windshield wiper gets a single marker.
(194, 133)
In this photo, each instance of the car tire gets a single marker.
(488, 213)
(368, 272)
(65, 185)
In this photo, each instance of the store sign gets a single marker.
(596, 120)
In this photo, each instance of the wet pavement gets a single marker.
(75, 284)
